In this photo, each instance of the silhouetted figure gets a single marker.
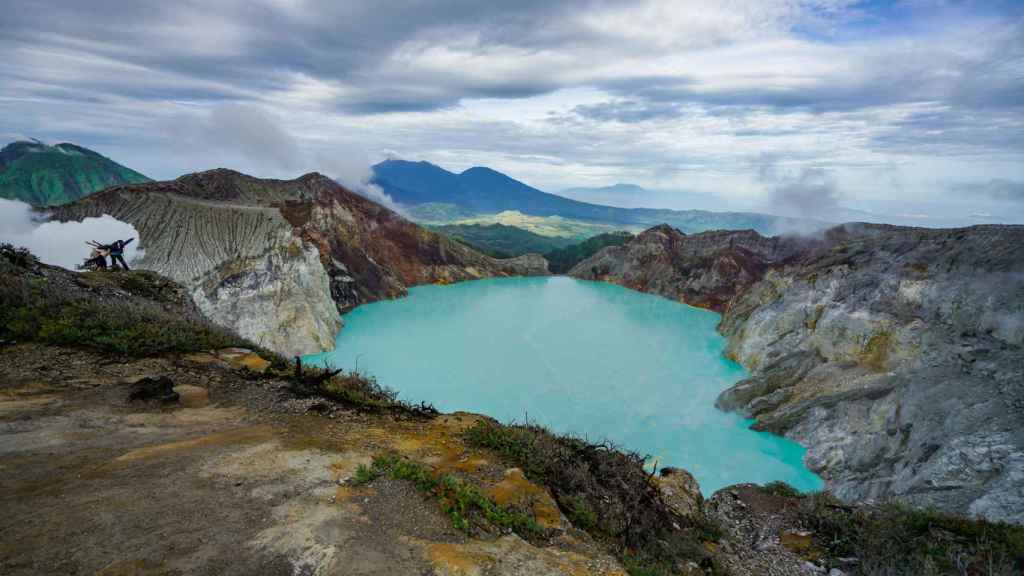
(117, 253)
(97, 258)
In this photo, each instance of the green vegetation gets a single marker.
(506, 241)
(562, 260)
(605, 492)
(51, 175)
(469, 509)
(350, 389)
(437, 212)
(501, 241)
(895, 540)
(131, 313)
(779, 488)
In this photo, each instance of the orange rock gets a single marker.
(518, 492)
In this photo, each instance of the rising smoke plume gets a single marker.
(62, 243)
(812, 194)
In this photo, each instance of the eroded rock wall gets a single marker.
(243, 265)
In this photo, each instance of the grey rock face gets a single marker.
(893, 354)
(242, 265)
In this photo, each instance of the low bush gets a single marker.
(469, 509)
(54, 306)
(895, 540)
(132, 328)
(781, 489)
(19, 257)
(605, 492)
(349, 389)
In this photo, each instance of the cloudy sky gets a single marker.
(912, 110)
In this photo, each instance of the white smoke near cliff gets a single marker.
(350, 166)
(813, 194)
(62, 243)
(808, 200)
(1000, 318)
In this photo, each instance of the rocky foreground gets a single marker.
(277, 261)
(893, 354)
(138, 438)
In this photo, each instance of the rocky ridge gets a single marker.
(276, 260)
(893, 354)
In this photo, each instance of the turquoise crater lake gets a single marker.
(590, 358)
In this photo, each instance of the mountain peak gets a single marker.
(482, 170)
(43, 175)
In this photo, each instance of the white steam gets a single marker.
(62, 243)
(350, 166)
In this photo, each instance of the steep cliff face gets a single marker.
(277, 260)
(894, 354)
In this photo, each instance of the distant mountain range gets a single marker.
(624, 195)
(44, 175)
(486, 191)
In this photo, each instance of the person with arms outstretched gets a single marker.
(117, 253)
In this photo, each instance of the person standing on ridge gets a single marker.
(117, 253)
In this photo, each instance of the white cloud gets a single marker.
(62, 243)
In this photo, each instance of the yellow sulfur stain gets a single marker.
(516, 491)
(455, 559)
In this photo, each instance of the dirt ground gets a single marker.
(236, 477)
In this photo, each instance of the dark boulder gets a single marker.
(160, 389)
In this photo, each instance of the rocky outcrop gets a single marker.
(277, 261)
(893, 354)
(706, 269)
(680, 491)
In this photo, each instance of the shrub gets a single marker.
(605, 492)
(19, 257)
(350, 389)
(467, 507)
(895, 540)
(57, 307)
(781, 489)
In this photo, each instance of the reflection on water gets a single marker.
(589, 358)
